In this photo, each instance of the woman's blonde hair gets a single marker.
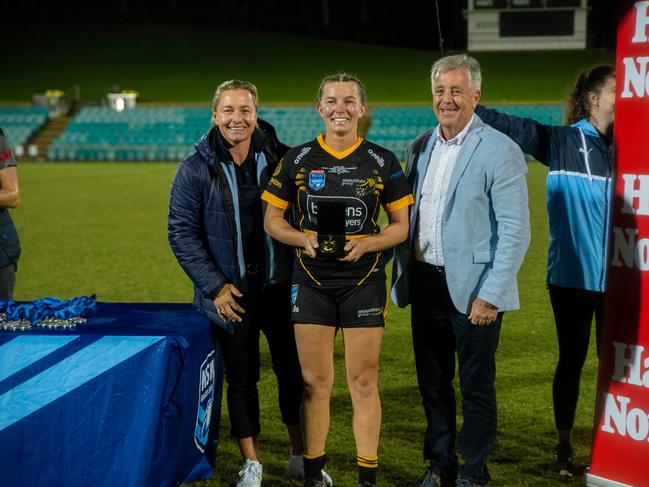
(234, 84)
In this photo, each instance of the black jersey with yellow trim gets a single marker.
(364, 177)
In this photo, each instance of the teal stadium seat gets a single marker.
(141, 133)
(395, 126)
(162, 133)
(294, 125)
(545, 114)
(20, 123)
(169, 133)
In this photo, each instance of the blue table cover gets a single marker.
(130, 398)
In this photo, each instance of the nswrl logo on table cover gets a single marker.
(205, 402)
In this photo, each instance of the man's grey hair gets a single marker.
(458, 61)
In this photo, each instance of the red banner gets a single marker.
(620, 451)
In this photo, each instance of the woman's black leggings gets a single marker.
(573, 316)
(268, 311)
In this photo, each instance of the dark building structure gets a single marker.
(383, 22)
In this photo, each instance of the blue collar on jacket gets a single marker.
(212, 149)
(587, 128)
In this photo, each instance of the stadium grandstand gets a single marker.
(20, 124)
(156, 133)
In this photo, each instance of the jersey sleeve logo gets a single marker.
(371, 185)
(317, 179)
(277, 169)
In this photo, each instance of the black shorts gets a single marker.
(344, 307)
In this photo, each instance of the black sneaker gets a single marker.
(466, 483)
(429, 479)
(563, 458)
(314, 483)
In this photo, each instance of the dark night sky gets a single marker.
(368, 21)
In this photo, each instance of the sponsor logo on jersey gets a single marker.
(207, 375)
(370, 182)
(275, 182)
(380, 161)
(341, 169)
(349, 181)
(317, 179)
(396, 175)
(355, 211)
(302, 153)
(363, 313)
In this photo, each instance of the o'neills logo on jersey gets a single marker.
(355, 211)
(378, 158)
(621, 416)
(205, 402)
(302, 153)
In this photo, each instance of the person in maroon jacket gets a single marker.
(9, 198)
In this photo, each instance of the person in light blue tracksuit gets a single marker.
(579, 159)
(241, 276)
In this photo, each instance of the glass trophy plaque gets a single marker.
(331, 228)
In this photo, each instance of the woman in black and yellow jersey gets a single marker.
(342, 180)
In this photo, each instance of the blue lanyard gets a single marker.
(45, 308)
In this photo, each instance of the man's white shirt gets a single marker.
(428, 237)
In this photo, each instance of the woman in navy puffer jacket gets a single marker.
(241, 276)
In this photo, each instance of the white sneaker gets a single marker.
(250, 474)
(296, 469)
(327, 479)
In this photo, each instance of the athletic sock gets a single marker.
(313, 465)
(367, 467)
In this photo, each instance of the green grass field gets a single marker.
(101, 228)
(175, 63)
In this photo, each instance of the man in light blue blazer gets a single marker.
(469, 231)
